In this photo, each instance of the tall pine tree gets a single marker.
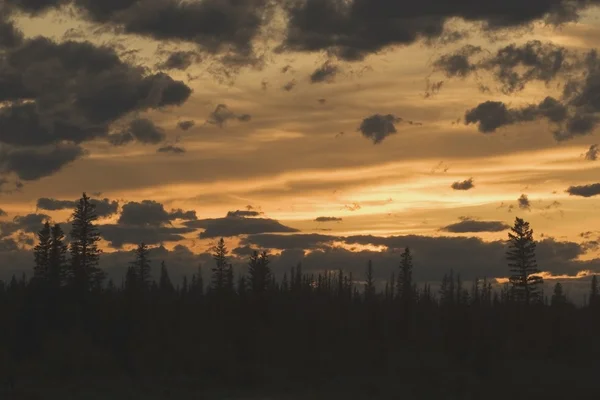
(141, 265)
(41, 255)
(523, 267)
(405, 284)
(57, 258)
(84, 273)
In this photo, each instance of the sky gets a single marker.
(328, 131)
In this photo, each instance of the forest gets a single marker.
(68, 331)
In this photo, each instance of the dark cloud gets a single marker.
(186, 125)
(75, 91)
(104, 207)
(171, 149)
(243, 213)
(585, 190)
(10, 35)
(328, 219)
(288, 242)
(118, 235)
(469, 225)
(492, 115)
(464, 185)
(351, 30)
(3, 213)
(222, 114)
(524, 203)
(180, 60)
(592, 153)
(289, 86)
(457, 64)
(377, 127)
(325, 73)
(8, 244)
(236, 225)
(151, 213)
(30, 223)
(34, 163)
(140, 129)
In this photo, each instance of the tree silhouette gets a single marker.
(405, 282)
(259, 273)
(165, 285)
(369, 283)
(41, 254)
(558, 297)
(523, 267)
(57, 257)
(141, 266)
(85, 254)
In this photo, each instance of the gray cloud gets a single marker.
(150, 213)
(30, 163)
(140, 129)
(592, 153)
(468, 225)
(457, 64)
(180, 60)
(104, 207)
(464, 185)
(328, 219)
(171, 149)
(585, 190)
(237, 225)
(222, 114)
(325, 73)
(524, 203)
(243, 213)
(377, 127)
(186, 125)
(29, 223)
(289, 86)
(118, 235)
(353, 30)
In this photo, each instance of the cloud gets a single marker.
(585, 190)
(325, 73)
(592, 153)
(469, 225)
(289, 86)
(75, 91)
(223, 28)
(457, 64)
(180, 60)
(464, 185)
(140, 129)
(492, 115)
(234, 225)
(222, 114)
(354, 30)
(243, 213)
(287, 242)
(33, 163)
(150, 213)
(186, 125)
(328, 219)
(3, 213)
(524, 203)
(171, 149)
(118, 235)
(104, 207)
(30, 223)
(377, 127)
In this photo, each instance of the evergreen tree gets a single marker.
(405, 283)
(521, 257)
(57, 257)
(85, 254)
(41, 255)
(220, 271)
(164, 284)
(558, 297)
(141, 265)
(259, 273)
(594, 300)
(369, 283)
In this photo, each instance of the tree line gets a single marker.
(253, 331)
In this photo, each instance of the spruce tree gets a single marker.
(594, 300)
(220, 271)
(58, 257)
(558, 296)
(84, 273)
(165, 285)
(141, 265)
(521, 261)
(259, 273)
(369, 283)
(41, 255)
(405, 283)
